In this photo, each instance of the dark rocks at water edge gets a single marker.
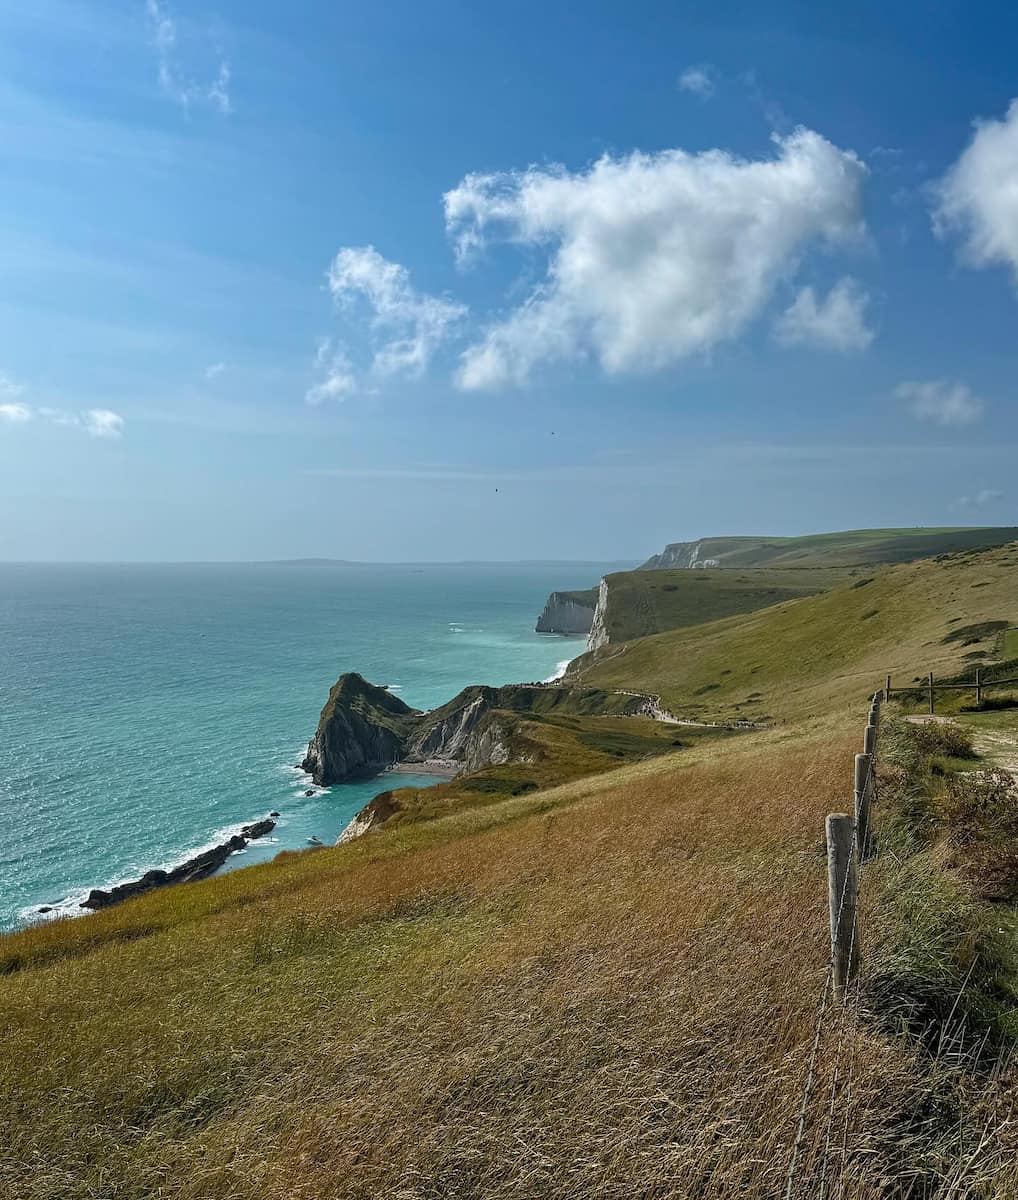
(199, 867)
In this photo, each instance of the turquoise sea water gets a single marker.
(146, 711)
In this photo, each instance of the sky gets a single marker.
(442, 281)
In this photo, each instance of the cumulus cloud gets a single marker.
(978, 197)
(837, 322)
(651, 257)
(407, 326)
(981, 498)
(174, 81)
(699, 81)
(15, 414)
(941, 402)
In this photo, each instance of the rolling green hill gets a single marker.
(802, 658)
(849, 548)
(640, 603)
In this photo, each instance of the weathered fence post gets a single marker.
(887, 690)
(931, 693)
(869, 741)
(842, 894)
(863, 797)
(979, 685)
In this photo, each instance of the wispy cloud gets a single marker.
(96, 422)
(175, 81)
(834, 322)
(405, 326)
(15, 414)
(700, 81)
(102, 423)
(336, 377)
(941, 402)
(980, 499)
(214, 370)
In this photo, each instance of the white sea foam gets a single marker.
(560, 670)
(70, 906)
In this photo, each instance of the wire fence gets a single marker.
(849, 846)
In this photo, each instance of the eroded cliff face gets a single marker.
(679, 556)
(599, 636)
(568, 613)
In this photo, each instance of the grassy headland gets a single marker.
(641, 603)
(852, 547)
(803, 659)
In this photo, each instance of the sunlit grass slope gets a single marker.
(604, 990)
(807, 657)
(641, 603)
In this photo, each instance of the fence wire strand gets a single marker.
(857, 853)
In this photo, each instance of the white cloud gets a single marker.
(214, 370)
(15, 414)
(981, 498)
(941, 402)
(652, 257)
(8, 387)
(407, 326)
(835, 323)
(699, 81)
(102, 423)
(337, 375)
(978, 197)
(178, 85)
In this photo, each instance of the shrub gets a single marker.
(943, 739)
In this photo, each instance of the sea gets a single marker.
(148, 711)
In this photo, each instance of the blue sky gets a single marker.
(443, 281)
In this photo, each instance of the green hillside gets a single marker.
(803, 657)
(849, 548)
(640, 603)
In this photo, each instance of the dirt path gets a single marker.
(997, 744)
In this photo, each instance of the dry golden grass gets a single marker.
(606, 990)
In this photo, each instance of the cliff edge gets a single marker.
(568, 613)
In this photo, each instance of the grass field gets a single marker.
(555, 748)
(606, 990)
(641, 603)
(805, 658)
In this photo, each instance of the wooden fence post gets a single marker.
(869, 741)
(863, 796)
(931, 693)
(887, 691)
(843, 895)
